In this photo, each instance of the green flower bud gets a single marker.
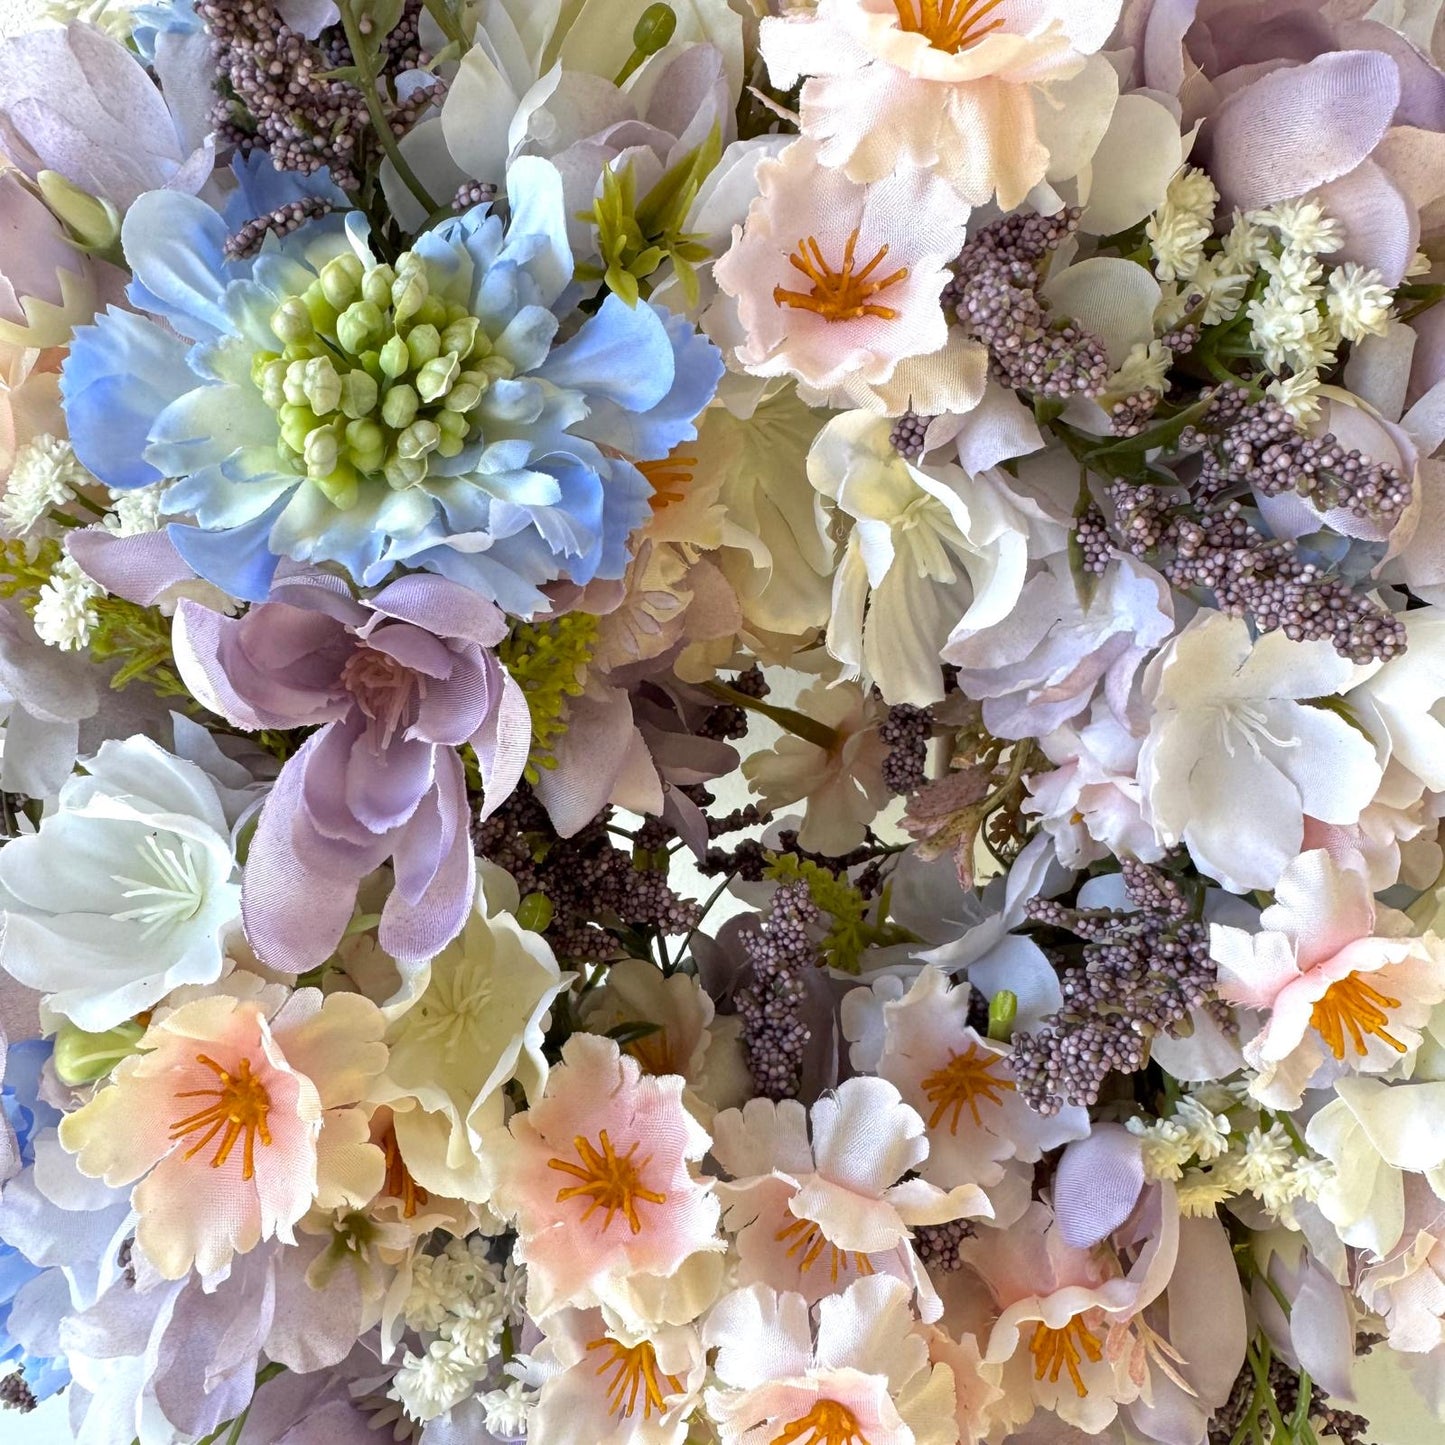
(297, 423)
(92, 222)
(341, 280)
(358, 326)
(417, 440)
(449, 445)
(322, 385)
(423, 344)
(400, 407)
(291, 321)
(366, 442)
(408, 294)
(1003, 1009)
(321, 453)
(322, 313)
(655, 28)
(395, 359)
(433, 313)
(359, 394)
(436, 377)
(452, 424)
(467, 390)
(294, 386)
(376, 285)
(401, 473)
(82, 1058)
(272, 383)
(341, 487)
(459, 335)
(535, 912)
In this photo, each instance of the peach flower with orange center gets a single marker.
(597, 1178)
(236, 1117)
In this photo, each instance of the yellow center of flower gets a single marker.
(241, 1108)
(950, 25)
(842, 295)
(808, 1247)
(961, 1083)
(1350, 1004)
(399, 1183)
(609, 1181)
(634, 1372)
(1055, 1351)
(827, 1423)
(669, 479)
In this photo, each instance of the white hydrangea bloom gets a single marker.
(430, 1384)
(46, 474)
(1359, 301)
(1303, 226)
(509, 1408)
(1222, 285)
(1299, 394)
(65, 612)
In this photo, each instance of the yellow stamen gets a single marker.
(827, 1423)
(838, 295)
(1064, 1349)
(808, 1242)
(950, 25)
(634, 1370)
(242, 1107)
(962, 1082)
(610, 1181)
(1352, 1004)
(670, 478)
(399, 1183)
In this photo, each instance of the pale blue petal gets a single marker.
(239, 560)
(537, 230)
(176, 248)
(622, 354)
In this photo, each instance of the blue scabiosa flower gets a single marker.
(449, 410)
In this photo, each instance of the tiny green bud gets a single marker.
(408, 294)
(433, 313)
(294, 386)
(358, 326)
(322, 385)
(359, 394)
(291, 321)
(449, 445)
(1003, 1009)
(401, 473)
(395, 358)
(83, 1058)
(655, 28)
(272, 382)
(417, 440)
(436, 377)
(535, 912)
(452, 424)
(93, 222)
(399, 408)
(297, 423)
(341, 280)
(459, 335)
(322, 313)
(497, 368)
(467, 390)
(321, 453)
(376, 285)
(341, 487)
(365, 437)
(423, 343)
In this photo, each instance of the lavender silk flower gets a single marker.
(394, 684)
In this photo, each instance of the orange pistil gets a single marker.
(1354, 1005)
(1064, 1349)
(808, 1242)
(961, 1083)
(634, 1370)
(669, 478)
(827, 1423)
(950, 25)
(610, 1181)
(838, 295)
(399, 1183)
(241, 1108)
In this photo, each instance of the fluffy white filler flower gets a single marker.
(46, 474)
(65, 611)
(1178, 230)
(1359, 301)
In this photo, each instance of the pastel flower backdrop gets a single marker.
(722, 720)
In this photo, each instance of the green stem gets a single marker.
(369, 93)
(819, 734)
(450, 26)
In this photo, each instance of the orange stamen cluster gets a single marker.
(961, 1083)
(1352, 1006)
(669, 479)
(1055, 1351)
(827, 1423)
(399, 1183)
(634, 1372)
(950, 25)
(842, 295)
(240, 1111)
(609, 1181)
(809, 1246)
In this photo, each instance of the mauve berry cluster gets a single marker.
(906, 732)
(995, 296)
(1140, 973)
(780, 953)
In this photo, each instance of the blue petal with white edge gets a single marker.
(622, 354)
(119, 375)
(537, 228)
(238, 561)
(175, 245)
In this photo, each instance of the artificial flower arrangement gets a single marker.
(454, 451)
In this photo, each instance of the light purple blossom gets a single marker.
(395, 685)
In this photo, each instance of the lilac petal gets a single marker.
(137, 568)
(324, 786)
(1382, 228)
(589, 757)
(1098, 1184)
(454, 709)
(442, 607)
(416, 650)
(384, 786)
(502, 744)
(434, 850)
(1298, 128)
(1164, 43)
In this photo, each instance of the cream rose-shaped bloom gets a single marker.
(597, 1178)
(236, 1117)
(949, 85)
(479, 1016)
(838, 283)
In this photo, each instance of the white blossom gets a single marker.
(1303, 226)
(1359, 301)
(65, 611)
(1178, 230)
(46, 474)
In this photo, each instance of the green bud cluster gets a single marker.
(375, 375)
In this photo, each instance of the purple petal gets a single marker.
(416, 650)
(442, 607)
(137, 568)
(454, 709)
(1382, 228)
(1098, 1184)
(384, 786)
(502, 744)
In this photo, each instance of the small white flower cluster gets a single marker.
(46, 474)
(1189, 277)
(1178, 230)
(1216, 1146)
(135, 512)
(465, 1303)
(65, 612)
